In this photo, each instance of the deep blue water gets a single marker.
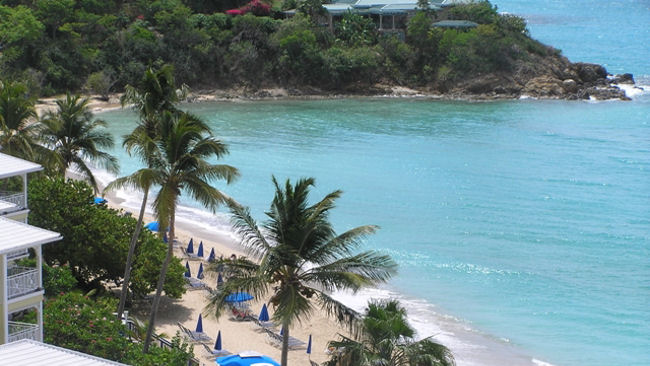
(528, 221)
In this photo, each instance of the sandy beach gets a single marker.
(237, 336)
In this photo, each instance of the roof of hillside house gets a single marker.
(11, 166)
(16, 235)
(383, 7)
(455, 24)
(33, 353)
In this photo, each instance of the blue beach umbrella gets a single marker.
(190, 246)
(248, 358)
(100, 200)
(199, 275)
(188, 274)
(264, 314)
(309, 346)
(239, 297)
(199, 325)
(219, 280)
(282, 331)
(212, 257)
(199, 253)
(165, 239)
(217, 344)
(153, 226)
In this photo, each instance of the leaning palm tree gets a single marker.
(386, 339)
(155, 95)
(182, 166)
(299, 259)
(143, 180)
(74, 136)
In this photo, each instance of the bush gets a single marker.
(88, 325)
(96, 238)
(57, 279)
(82, 324)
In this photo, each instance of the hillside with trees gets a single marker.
(101, 46)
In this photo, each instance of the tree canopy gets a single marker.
(96, 239)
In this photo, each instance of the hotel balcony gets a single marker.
(20, 330)
(22, 281)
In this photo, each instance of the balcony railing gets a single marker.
(17, 199)
(20, 330)
(17, 254)
(21, 281)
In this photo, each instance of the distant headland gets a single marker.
(454, 49)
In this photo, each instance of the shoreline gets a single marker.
(470, 346)
(237, 336)
(98, 105)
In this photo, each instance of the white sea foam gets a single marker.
(469, 346)
(633, 91)
(541, 363)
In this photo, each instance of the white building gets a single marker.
(28, 352)
(21, 288)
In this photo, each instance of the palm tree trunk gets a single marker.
(161, 282)
(285, 344)
(129, 257)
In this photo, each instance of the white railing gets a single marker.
(21, 281)
(17, 199)
(17, 254)
(20, 330)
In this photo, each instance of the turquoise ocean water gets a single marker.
(522, 228)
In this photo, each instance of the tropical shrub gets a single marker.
(96, 238)
(87, 325)
(57, 279)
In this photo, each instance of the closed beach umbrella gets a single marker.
(190, 246)
(219, 280)
(199, 275)
(199, 325)
(282, 331)
(165, 239)
(309, 346)
(239, 297)
(212, 256)
(199, 253)
(187, 270)
(264, 314)
(217, 344)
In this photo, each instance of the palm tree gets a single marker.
(17, 116)
(300, 259)
(155, 95)
(181, 163)
(143, 180)
(73, 135)
(386, 339)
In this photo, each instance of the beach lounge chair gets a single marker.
(193, 336)
(276, 340)
(195, 284)
(214, 352)
(189, 251)
(241, 314)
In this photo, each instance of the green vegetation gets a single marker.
(96, 238)
(300, 259)
(86, 324)
(75, 138)
(386, 338)
(101, 46)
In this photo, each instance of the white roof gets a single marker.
(11, 166)
(32, 353)
(16, 235)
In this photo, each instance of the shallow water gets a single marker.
(522, 228)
